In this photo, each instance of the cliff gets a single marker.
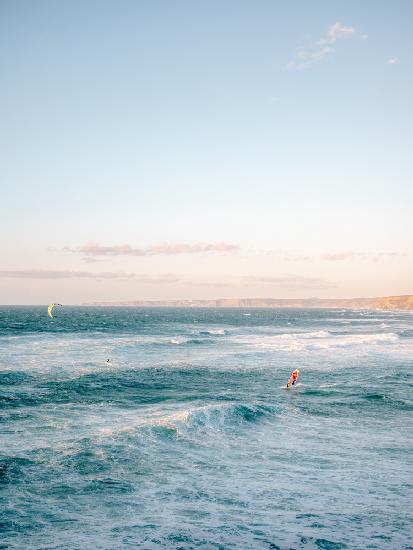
(395, 302)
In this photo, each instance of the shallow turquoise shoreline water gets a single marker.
(187, 439)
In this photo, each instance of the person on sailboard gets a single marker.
(294, 376)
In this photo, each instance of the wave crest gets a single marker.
(316, 340)
(212, 418)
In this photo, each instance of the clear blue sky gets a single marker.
(282, 128)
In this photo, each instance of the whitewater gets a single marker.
(187, 438)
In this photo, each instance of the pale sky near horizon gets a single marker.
(179, 149)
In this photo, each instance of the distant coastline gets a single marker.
(386, 303)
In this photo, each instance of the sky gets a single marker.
(157, 149)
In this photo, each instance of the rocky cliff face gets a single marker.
(388, 302)
(395, 302)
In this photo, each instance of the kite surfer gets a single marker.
(50, 309)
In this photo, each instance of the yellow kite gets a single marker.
(50, 309)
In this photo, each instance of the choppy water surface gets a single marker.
(187, 439)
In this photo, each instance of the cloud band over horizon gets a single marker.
(95, 249)
(68, 274)
(281, 281)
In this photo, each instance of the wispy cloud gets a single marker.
(342, 256)
(323, 48)
(393, 61)
(91, 260)
(337, 31)
(212, 284)
(68, 274)
(351, 255)
(281, 282)
(347, 255)
(305, 58)
(290, 282)
(94, 249)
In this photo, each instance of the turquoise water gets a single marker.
(187, 439)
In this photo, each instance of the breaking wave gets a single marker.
(316, 340)
(214, 417)
(212, 332)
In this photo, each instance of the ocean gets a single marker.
(186, 438)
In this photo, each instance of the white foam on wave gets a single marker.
(211, 331)
(64, 427)
(284, 342)
(80, 353)
(386, 337)
(316, 334)
(178, 341)
(170, 420)
(211, 417)
(111, 422)
(315, 340)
